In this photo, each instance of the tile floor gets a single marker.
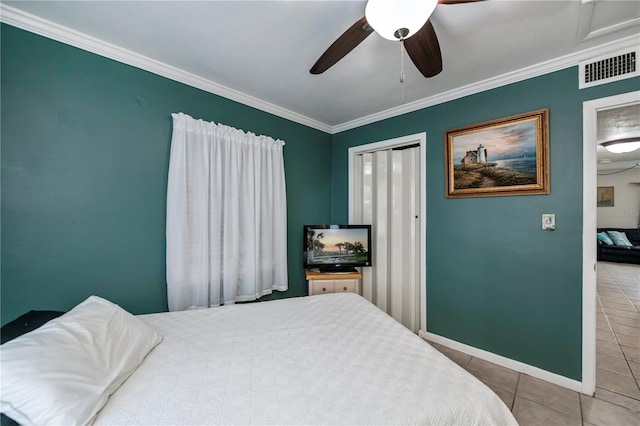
(617, 398)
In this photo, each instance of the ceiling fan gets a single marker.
(406, 21)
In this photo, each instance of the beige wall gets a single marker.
(625, 211)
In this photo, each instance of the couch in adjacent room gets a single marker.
(612, 248)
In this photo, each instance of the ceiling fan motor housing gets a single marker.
(401, 33)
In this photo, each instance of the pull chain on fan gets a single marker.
(402, 67)
(401, 34)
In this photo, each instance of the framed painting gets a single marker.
(605, 196)
(507, 156)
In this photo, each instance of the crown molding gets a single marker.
(494, 82)
(43, 27)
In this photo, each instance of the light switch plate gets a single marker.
(548, 221)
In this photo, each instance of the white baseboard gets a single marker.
(521, 367)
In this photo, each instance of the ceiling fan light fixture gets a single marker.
(389, 18)
(621, 146)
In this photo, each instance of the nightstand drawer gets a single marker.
(321, 283)
(320, 287)
(346, 286)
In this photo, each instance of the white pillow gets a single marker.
(63, 372)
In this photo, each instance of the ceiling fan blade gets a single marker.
(343, 45)
(424, 50)
(457, 1)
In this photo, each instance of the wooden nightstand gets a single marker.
(320, 283)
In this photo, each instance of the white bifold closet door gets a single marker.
(387, 196)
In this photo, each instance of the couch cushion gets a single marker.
(633, 235)
(604, 237)
(619, 238)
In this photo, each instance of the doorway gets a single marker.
(387, 182)
(589, 242)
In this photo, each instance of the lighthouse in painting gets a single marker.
(475, 157)
(482, 154)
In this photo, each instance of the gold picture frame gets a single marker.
(507, 156)
(605, 196)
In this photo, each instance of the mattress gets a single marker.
(328, 359)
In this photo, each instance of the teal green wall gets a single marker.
(85, 151)
(85, 154)
(495, 280)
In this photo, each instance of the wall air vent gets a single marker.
(608, 68)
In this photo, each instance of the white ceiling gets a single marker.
(618, 123)
(262, 50)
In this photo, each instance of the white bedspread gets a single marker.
(329, 359)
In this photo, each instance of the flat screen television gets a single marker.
(336, 248)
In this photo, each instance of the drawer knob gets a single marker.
(344, 288)
(324, 289)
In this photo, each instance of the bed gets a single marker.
(329, 359)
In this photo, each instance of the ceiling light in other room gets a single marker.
(398, 19)
(620, 146)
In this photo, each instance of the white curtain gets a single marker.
(226, 215)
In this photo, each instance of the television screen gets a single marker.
(336, 248)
